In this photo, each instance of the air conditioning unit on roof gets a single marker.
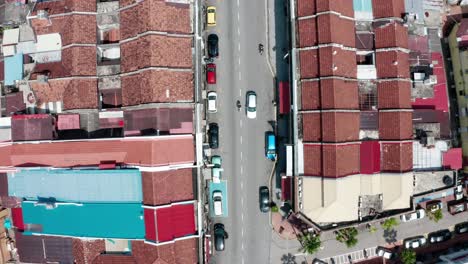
(432, 80)
(430, 142)
(42, 14)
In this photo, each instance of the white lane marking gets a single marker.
(241, 142)
(242, 216)
(242, 170)
(241, 156)
(240, 75)
(242, 185)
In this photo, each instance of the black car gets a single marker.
(213, 132)
(219, 236)
(213, 45)
(264, 199)
(461, 228)
(440, 236)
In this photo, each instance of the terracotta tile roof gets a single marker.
(307, 32)
(76, 28)
(81, 60)
(161, 151)
(84, 251)
(335, 61)
(305, 7)
(345, 7)
(340, 160)
(14, 103)
(156, 50)
(394, 94)
(312, 159)
(340, 126)
(65, 6)
(365, 41)
(395, 125)
(310, 95)
(388, 8)
(114, 258)
(309, 63)
(392, 64)
(311, 127)
(180, 252)
(74, 93)
(397, 157)
(391, 35)
(166, 187)
(112, 97)
(52, 69)
(333, 29)
(339, 94)
(32, 127)
(155, 15)
(157, 86)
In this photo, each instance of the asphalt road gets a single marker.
(241, 26)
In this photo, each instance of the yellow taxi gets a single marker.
(211, 16)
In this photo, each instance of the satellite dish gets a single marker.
(447, 180)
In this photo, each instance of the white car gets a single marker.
(251, 104)
(218, 203)
(418, 214)
(212, 102)
(415, 242)
(384, 252)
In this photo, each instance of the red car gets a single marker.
(211, 73)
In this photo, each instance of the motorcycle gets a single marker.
(260, 48)
(238, 104)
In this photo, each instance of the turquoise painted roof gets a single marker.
(99, 220)
(13, 68)
(362, 6)
(77, 185)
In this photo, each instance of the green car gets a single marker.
(216, 170)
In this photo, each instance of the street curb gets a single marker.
(273, 73)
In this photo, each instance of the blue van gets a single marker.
(270, 145)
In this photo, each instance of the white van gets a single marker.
(218, 203)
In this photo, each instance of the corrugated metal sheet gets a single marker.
(3, 184)
(68, 122)
(77, 185)
(99, 220)
(173, 222)
(17, 215)
(41, 249)
(162, 119)
(32, 127)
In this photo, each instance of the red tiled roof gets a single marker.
(180, 252)
(310, 95)
(452, 159)
(333, 29)
(394, 94)
(392, 64)
(307, 32)
(112, 97)
(65, 6)
(2, 70)
(76, 28)
(340, 160)
(391, 35)
(397, 157)
(309, 63)
(161, 151)
(339, 94)
(364, 41)
(114, 258)
(14, 103)
(311, 127)
(340, 126)
(345, 7)
(395, 125)
(51, 69)
(305, 7)
(370, 157)
(156, 51)
(157, 86)
(173, 120)
(68, 121)
(74, 93)
(81, 60)
(32, 127)
(84, 251)
(335, 61)
(388, 8)
(169, 223)
(312, 159)
(171, 17)
(166, 187)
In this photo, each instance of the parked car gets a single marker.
(211, 73)
(251, 104)
(461, 228)
(213, 45)
(213, 131)
(456, 207)
(384, 252)
(434, 205)
(415, 242)
(270, 145)
(218, 203)
(212, 102)
(219, 236)
(418, 214)
(459, 192)
(216, 169)
(264, 199)
(211, 16)
(440, 236)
